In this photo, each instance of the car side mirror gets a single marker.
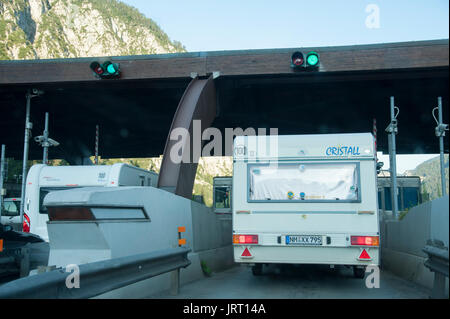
(379, 166)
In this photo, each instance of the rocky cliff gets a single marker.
(45, 29)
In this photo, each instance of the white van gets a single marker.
(42, 179)
(11, 213)
(313, 201)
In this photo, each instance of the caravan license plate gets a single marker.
(304, 240)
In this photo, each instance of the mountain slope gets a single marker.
(208, 168)
(45, 29)
(430, 175)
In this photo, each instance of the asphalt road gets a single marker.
(303, 282)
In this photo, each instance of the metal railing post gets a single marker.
(437, 262)
(175, 282)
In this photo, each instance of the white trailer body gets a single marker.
(42, 179)
(314, 202)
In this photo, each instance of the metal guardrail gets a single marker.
(99, 277)
(437, 262)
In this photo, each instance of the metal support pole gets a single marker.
(28, 127)
(2, 174)
(45, 142)
(441, 149)
(375, 138)
(392, 130)
(96, 144)
(440, 133)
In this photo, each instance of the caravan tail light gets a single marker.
(26, 223)
(365, 241)
(245, 239)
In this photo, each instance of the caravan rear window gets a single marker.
(305, 182)
(44, 191)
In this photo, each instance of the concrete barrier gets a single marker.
(402, 241)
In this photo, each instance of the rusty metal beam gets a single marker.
(198, 103)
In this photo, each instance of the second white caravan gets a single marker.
(42, 179)
(314, 201)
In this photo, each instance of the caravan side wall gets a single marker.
(126, 175)
(296, 228)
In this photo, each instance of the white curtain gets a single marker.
(310, 181)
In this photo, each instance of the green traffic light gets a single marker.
(312, 59)
(111, 69)
(106, 70)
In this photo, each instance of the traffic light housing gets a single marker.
(312, 59)
(106, 70)
(297, 60)
(300, 62)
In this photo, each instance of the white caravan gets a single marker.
(313, 201)
(42, 179)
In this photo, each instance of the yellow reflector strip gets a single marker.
(181, 229)
(182, 241)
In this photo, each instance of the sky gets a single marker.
(215, 25)
(405, 162)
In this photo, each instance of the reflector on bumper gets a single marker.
(364, 256)
(246, 253)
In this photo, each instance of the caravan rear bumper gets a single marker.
(305, 255)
